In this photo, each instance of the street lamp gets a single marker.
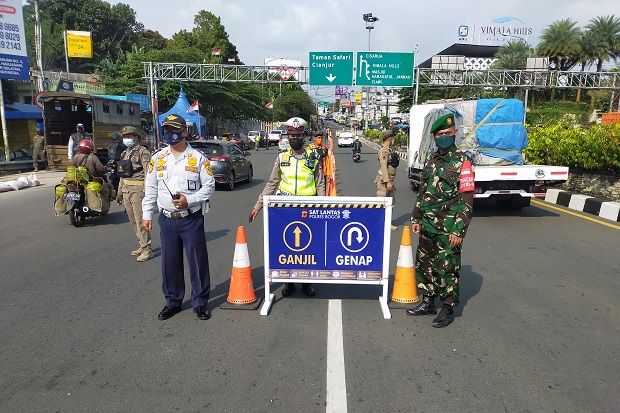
(370, 24)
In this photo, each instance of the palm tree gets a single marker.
(607, 29)
(512, 56)
(591, 48)
(560, 41)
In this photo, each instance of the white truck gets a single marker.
(492, 133)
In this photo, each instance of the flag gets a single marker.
(193, 107)
(216, 52)
(231, 59)
(269, 105)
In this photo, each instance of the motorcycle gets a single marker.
(356, 155)
(77, 197)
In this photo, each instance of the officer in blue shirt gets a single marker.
(179, 182)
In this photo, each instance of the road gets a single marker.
(537, 329)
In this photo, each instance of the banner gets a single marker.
(79, 44)
(13, 56)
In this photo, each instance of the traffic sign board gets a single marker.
(331, 68)
(384, 69)
(324, 104)
(38, 100)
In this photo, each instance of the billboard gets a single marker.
(13, 55)
(79, 44)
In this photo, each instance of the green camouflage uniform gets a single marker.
(441, 210)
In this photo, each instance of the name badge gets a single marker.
(191, 185)
(285, 164)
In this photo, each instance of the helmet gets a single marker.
(80, 125)
(85, 146)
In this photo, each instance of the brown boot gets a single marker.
(146, 255)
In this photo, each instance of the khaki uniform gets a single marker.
(131, 191)
(386, 173)
(37, 151)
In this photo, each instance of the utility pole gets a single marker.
(38, 43)
(370, 24)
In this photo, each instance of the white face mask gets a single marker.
(128, 142)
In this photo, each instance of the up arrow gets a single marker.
(331, 78)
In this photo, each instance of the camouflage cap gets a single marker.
(444, 122)
(387, 134)
(130, 130)
(318, 133)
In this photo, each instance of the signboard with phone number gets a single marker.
(13, 55)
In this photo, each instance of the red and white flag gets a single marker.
(216, 52)
(231, 59)
(269, 105)
(193, 107)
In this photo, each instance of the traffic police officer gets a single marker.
(179, 181)
(295, 172)
(441, 216)
(131, 189)
(387, 171)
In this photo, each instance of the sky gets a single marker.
(291, 29)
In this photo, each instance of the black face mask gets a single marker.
(296, 143)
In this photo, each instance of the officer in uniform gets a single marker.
(387, 172)
(131, 189)
(37, 149)
(179, 181)
(76, 138)
(320, 150)
(295, 172)
(442, 213)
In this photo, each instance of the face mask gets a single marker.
(128, 142)
(318, 141)
(445, 141)
(296, 143)
(172, 138)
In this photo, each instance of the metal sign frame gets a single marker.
(338, 203)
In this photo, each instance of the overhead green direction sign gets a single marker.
(384, 69)
(324, 104)
(331, 68)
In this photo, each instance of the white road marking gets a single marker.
(336, 394)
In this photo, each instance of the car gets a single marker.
(374, 127)
(263, 137)
(242, 140)
(229, 163)
(345, 139)
(283, 143)
(274, 136)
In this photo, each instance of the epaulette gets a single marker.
(155, 152)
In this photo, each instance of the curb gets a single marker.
(584, 203)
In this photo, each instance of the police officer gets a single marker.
(320, 150)
(76, 138)
(179, 181)
(295, 172)
(387, 172)
(131, 189)
(441, 216)
(37, 150)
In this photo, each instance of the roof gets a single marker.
(462, 49)
(23, 111)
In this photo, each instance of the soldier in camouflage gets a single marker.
(441, 216)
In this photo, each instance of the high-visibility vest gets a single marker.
(296, 178)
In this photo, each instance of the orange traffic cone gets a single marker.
(404, 291)
(241, 294)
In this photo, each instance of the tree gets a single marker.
(606, 29)
(512, 56)
(296, 103)
(151, 40)
(560, 41)
(591, 47)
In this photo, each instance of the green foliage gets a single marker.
(295, 103)
(373, 135)
(512, 56)
(551, 113)
(595, 149)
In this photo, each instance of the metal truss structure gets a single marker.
(216, 73)
(527, 79)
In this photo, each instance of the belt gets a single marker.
(178, 214)
(133, 182)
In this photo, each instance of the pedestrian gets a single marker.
(294, 172)
(388, 162)
(75, 139)
(135, 162)
(441, 216)
(38, 150)
(179, 182)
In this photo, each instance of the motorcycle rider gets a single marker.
(88, 159)
(75, 139)
(357, 146)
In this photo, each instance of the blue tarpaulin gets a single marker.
(23, 111)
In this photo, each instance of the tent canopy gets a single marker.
(180, 108)
(23, 111)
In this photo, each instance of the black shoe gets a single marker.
(289, 288)
(427, 306)
(202, 312)
(308, 290)
(445, 317)
(168, 312)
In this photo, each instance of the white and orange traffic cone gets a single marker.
(241, 294)
(404, 291)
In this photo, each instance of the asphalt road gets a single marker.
(537, 330)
